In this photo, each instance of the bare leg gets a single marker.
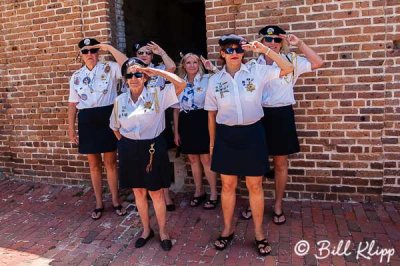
(160, 210)
(143, 209)
(228, 201)
(197, 173)
(95, 176)
(110, 162)
(281, 177)
(256, 198)
(211, 175)
(168, 200)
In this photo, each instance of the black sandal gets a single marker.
(197, 200)
(276, 218)
(118, 210)
(212, 204)
(224, 240)
(98, 212)
(261, 245)
(246, 214)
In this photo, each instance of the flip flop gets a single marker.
(261, 245)
(246, 214)
(224, 241)
(119, 211)
(212, 204)
(276, 218)
(98, 212)
(197, 200)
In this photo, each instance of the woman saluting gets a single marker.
(138, 119)
(237, 141)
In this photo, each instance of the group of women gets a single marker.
(218, 122)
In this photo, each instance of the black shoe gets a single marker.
(142, 241)
(170, 207)
(166, 244)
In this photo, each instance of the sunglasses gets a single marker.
(92, 51)
(275, 39)
(144, 52)
(230, 50)
(136, 74)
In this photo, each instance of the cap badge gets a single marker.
(86, 41)
(270, 31)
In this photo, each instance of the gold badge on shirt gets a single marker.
(148, 105)
(249, 85)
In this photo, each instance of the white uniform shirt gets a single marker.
(144, 119)
(279, 92)
(238, 99)
(194, 95)
(96, 87)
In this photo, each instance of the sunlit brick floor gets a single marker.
(44, 224)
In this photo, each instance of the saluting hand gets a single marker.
(255, 46)
(207, 64)
(155, 48)
(149, 71)
(102, 46)
(291, 39)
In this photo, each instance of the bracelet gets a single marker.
(269, 49)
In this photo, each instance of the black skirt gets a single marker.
(280, 130)
(134, 156)
(95, 134)
(240, 150)
(193, 131)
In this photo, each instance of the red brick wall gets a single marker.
(37, 57)
(347, 112)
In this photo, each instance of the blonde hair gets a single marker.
(181, 68)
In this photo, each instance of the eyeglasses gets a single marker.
(230, 50)
(275, 39)
(92, 51)
(136, 74)
(144, 52)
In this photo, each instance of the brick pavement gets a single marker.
(51, 225)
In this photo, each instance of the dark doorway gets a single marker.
(173, 24)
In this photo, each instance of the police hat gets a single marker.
(137, 45)
(230, 39)
(87, 42)
(131, 62)
(271, 30)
